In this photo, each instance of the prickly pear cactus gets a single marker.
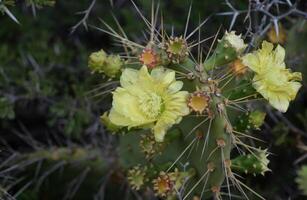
(184, 123)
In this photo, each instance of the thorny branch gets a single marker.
(261, 15)
(83, 21)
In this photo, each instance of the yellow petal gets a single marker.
(144, 75)
(119, 119)
(267, 47)
(168, 78)
(163, 124)
(278, 102)
(160, 132)
(279, 56)
(296, 76)
(251, 60)
(175, 86)
(295, 86)
(157, 72)
(128, 77)
(127, 105)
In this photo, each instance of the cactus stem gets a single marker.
(216, 192)
(211, 166)
(197, 126)
(226, 165)
(204, 187)
(212, 152)
(183, 152)
(198, 182)
(207, 138)
(221, 143)
(199, 134)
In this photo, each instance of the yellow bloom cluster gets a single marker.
(272, 80)
(149, 100)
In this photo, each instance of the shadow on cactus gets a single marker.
(185, 118)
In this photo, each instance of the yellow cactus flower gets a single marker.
(149, 100)
(272, 80)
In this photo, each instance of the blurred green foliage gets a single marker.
(7, 109)
(302, 179)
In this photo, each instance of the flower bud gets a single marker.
(100, 62)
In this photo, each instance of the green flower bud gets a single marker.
(97, 61)
(100, 62)
(256, 163)
(113, 65)
(227, 50)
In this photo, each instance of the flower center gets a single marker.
(163, 185)
(176, 47)
(149, 58)
(151, 105)
(198, 102)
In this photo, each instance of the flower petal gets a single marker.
(127, 105)
(157, 72)
(280, 103)
(272, 80)
(128, 77)
(119, 119)
(267, 47)
(279, 55)
(168, 78)
(252, 62)
(175, 86)
(149, 100)
(160, 132)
